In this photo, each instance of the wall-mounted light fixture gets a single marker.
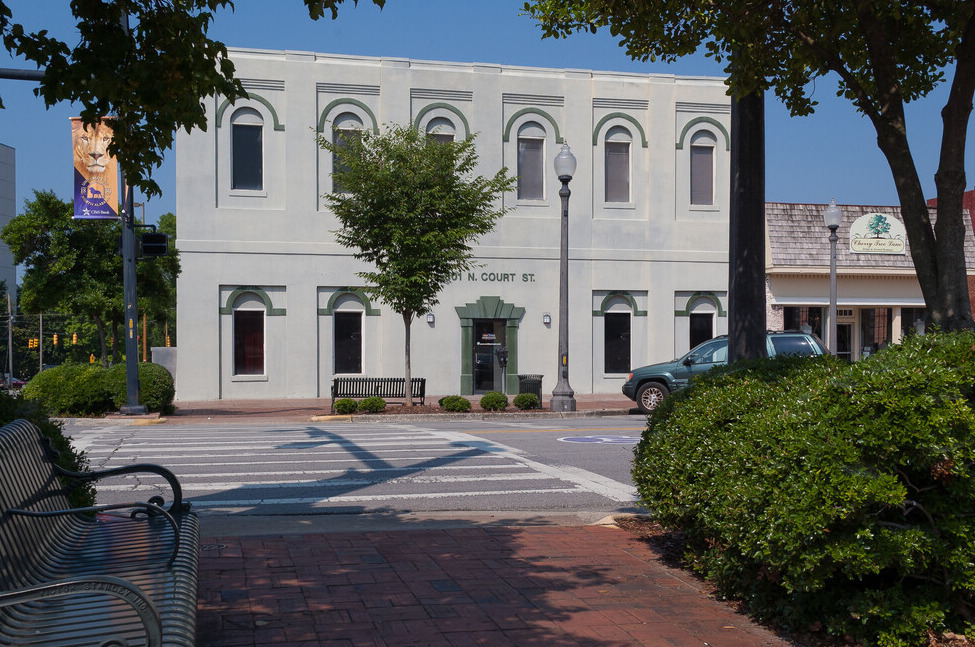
(430, 318)
(547, 319)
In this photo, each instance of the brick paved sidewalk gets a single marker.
(524, 586)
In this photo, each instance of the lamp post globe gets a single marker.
(563, 397)
(832, 217)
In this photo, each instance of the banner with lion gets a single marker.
(95, 171)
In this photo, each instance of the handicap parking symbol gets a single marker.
(605, 440)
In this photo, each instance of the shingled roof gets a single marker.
(797, 238)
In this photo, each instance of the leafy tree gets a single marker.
(886, 54)
(412, 207)
(152, 78)
(73, 266)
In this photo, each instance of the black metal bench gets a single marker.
(85, 576)
(380, 387)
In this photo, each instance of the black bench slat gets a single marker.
(148, 553)
(381, 387)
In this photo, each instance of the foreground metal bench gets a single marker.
(90, 576)
(380, 387)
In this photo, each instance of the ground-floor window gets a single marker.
(913, 320)
(876, 328)
(616, 326)
(348, 342)
(804, 318)
(701, 327)
(248, 342)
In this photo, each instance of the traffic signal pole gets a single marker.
(132, 406)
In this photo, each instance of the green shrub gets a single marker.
(494, 401)
(156, 387)
(14, 407)
(455, 403)
(372, 405)
(71, 390)
(526, 401)
(346, 406)
(820, 491)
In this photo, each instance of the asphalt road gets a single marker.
(518, 469)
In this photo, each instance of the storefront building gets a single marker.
(878, 297)
(270, 306)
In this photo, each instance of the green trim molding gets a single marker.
(619, 294)
(708, 296)
(488, 308)
(447, 107)
(256, 97)
(358, 293)
(625, 117)
(270, 311)
(535, 111)
(704, 120)
(347, 101)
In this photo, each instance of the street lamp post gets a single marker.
(563, 397)
(832, 218)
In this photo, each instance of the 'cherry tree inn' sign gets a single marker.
(877, 233)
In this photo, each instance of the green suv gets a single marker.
(649, 385)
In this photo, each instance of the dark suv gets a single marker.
(649, 385)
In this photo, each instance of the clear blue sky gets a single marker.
(832, 154)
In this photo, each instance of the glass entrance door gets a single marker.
(488, 340)
(844, 341)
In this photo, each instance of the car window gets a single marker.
(710, 352)
(792, 345)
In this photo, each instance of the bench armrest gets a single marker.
(150, 509)
(178, 506)
(104, 584)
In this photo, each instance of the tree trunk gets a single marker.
(407, 323)
(746, 243)
(100, 327)
(115, 343)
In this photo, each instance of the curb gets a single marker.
(523, 415)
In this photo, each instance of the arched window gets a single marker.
(347, 334)
(345, 127)
(248, 335)
(441, 129)
(531, 162)
(702, 168)
(617, 154)
(247, 150)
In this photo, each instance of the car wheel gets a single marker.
(650, 395)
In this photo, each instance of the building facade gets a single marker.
(878, 296)
(271, 306)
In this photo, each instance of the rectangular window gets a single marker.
(616, 342)
(247, 153)
(531, 169)
(341, 139)
(701, 327)
(702, 175)
(248, 342)
(348, 342)
(617, 171)
(806, 319)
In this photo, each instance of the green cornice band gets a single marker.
(256, 97)
(709, 296)
(626, 296)
(358, 293)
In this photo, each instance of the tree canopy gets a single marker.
(151, 77)
(73, 267)
(885, 53)
(412, 207)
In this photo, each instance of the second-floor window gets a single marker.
(247, 150)
(702, 169)
(531, 162)
(617, 165)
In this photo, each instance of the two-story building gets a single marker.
(271, 306)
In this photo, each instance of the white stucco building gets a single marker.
(270, 306)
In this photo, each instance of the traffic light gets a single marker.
(153, 244)
(55, 339)
(74, 338)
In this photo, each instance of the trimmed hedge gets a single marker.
(346, 406)
(372, 405)
(455, 403)
(827, 493)
(90, 390)
(494, 401)
(526, 401)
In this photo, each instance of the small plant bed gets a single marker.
(431, 409)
